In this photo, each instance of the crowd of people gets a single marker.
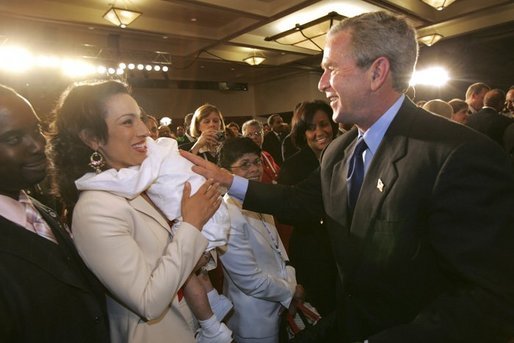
(400, 213)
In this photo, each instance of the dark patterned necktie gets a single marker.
(356, 172)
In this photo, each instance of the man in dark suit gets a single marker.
(424, 250)
(46, 292)
(489, 120)
(273, 140)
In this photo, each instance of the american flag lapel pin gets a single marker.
(380, 185)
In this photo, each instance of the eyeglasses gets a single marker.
(254, 134)
(248, 164)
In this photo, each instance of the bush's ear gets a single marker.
(90, 140)
(379, 72)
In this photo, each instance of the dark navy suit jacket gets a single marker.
(428, 254)
(46, 292)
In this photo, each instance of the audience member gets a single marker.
(187, 127)
(208, 128)
(273, 140)
(258, 279)
(489, 120)
(459, 111)
(509, 103)
(234, 127)
(127, 243)
(46, 294)
(165, 131)
(423, 247)
(181, 137)
(151, 123)
(420, 103)
(270, 169)
(439, 107)
(475, 96)
(309, 246)
(288, 148)
(266, 128)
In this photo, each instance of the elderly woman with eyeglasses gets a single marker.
(258, 278)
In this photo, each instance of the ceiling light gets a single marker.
(430, 40)
(255, 58)
(121, 17)
(310, 35)
(439, 4)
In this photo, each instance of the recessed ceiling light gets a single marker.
(164, 37)
(193, 19)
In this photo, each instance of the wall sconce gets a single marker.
(438, 4)
(309, 36)
(430, 40)
(255, 58)
(121, 17)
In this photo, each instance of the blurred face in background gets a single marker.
(460, 116)
(151, 124)
(509, 101)
(211, 122)
(180, 131)
(248, 166)
(164, 131)
(319, 133)
(255, 134)
(276, 125)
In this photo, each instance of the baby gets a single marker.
(162, 176)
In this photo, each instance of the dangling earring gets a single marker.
(96, 161)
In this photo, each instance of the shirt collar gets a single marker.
(13, 210)
(374, 135)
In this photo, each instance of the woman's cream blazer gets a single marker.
(128, 246)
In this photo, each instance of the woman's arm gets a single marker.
(132, 254)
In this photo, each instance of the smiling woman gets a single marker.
(126, 242)
(312, 131)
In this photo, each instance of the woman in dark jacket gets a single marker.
(309, 248)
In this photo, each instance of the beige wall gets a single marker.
(282, 95)
(279, 95)
(176, 103)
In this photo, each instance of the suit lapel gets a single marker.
(380, 178)
(141, 205)
(339, 189)
(53, 258)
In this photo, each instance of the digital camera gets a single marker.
(220, 136)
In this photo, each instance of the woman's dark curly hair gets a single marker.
(302, 120)
(80, 109)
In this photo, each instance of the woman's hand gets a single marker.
(199, 208)
(207, 138)
(298, 298)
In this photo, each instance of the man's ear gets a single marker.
(379, 72)
(89, 139)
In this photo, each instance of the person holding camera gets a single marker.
(208, 127)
